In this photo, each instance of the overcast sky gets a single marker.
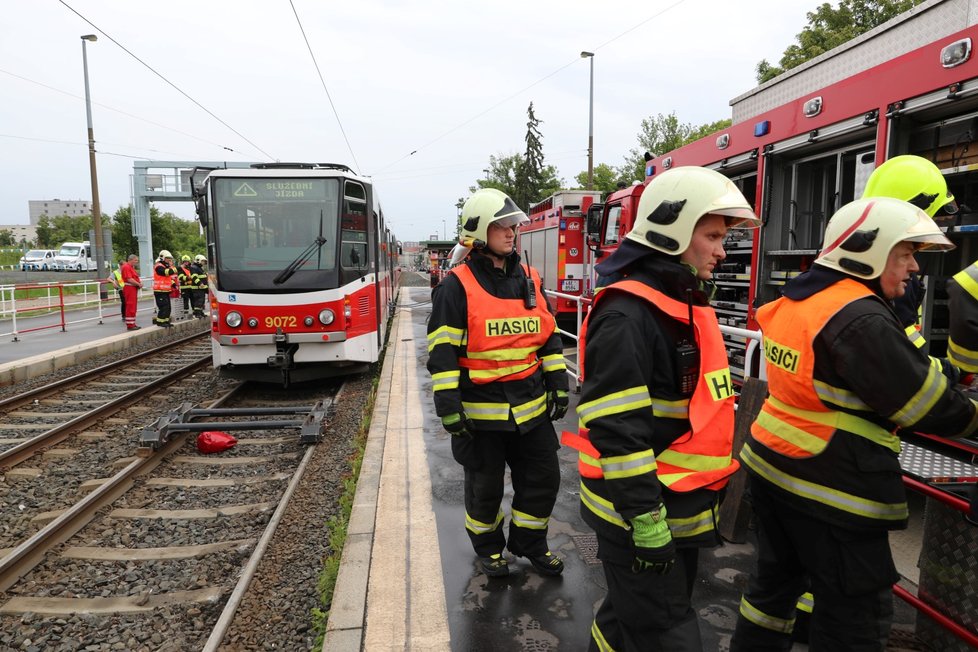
(449, 80)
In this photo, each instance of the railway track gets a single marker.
(172, 537)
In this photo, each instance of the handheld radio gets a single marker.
(530, 290)
(688, 356)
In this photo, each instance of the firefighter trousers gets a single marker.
(850, 572)
(535, 473)
(646, 611)
(162, 308)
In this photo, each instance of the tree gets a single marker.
(44, 232)
(605, 178)
(169, 232)
(828, 27)
(7, 238)
(661, 134)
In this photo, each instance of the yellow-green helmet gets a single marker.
(488, 206)
(859, 237)
(185, 259)
(675, 200)
(913, 179)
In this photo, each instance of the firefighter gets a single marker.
(131, 284)
(962, 344)
(656, 410)
(184, 277)
(115, 278)
(164, 282)
(499, 379)
(822, 455)
(198, 285)
(916, 180)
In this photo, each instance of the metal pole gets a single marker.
(590, 124)
(99, 243)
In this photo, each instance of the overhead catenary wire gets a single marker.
(323, 82)
(168, 82)
(526, 88)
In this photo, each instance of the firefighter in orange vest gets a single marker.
(656, 410)
(164, 282)
(822, 456)
(499, 379)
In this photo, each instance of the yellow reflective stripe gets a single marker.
(445, 380)
(500, 372)
(841, 421)
(921, 403)
(478, 527)
(600, 507)
(502, 354)
(669, 479)
(694, 461)
(590, 461)
(554, 362)
(838, 396)
(761, 619)
(915, 337)
(530, 409)
(486, 411)
(967, 278)
(615, 403)
(628, 466)
(664, 409)
(445, 335)
(523, 519)
(965, 359)
(805, 603)
(599, 640)
(840, 500)
(800, 438)
(692, 526)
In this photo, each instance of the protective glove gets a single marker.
(457, 424)
(652, 543)
(557, 401)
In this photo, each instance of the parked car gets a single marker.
(38, 259)
(74, 257)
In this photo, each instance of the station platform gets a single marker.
(408, 578)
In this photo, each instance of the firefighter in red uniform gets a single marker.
(164, 282)
(656, 410)
(822, 455)
(499, 379)
(131, 284)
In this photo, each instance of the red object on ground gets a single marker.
(214, 441)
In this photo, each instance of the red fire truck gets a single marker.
(804, 144)
(553, 242)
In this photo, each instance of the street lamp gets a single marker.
(590, 124)
(96, 207)
(444, 231)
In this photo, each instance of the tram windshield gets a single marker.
(266, 225)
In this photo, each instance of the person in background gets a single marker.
(962, 294)
(131, 284)
(499, 378)
(115, 278)
(657, 411)
(187, 284)
(198, 285)
(164, 283)
(822, 456)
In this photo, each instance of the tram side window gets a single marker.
(353, 228)
(613, 226)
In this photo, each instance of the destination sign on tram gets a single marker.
(277, 189)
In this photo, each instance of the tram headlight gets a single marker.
(233, 319)
(326, 316)
(253, 322)
(308, 321)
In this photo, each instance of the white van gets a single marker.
(37, 259)
(74, 257)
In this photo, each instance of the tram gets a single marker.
(302, 270)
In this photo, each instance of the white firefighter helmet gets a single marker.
(165, 253)
(488, 206)
(200, 259)
(674, 201)
(859, 237)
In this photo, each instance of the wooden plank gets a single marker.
(735, 511)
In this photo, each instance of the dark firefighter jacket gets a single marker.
(962, 346)
(632, 348)
(838, 459)
(447, 345)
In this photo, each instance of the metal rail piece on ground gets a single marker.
(182, 420)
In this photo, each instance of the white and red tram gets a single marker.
(302, 270)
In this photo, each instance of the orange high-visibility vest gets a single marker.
(701, 458)
(503, 334)
(789, 338)
(162, 282)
